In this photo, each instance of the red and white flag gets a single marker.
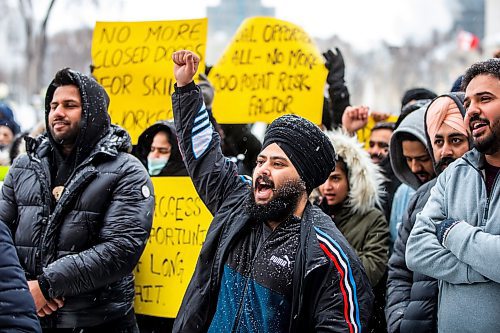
(467, 41)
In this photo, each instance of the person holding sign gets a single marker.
(81, 209)
(158, 150)
(271, 261)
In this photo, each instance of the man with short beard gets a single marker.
(271, 261)
(455, 238)
(411, 163)
(80, 208)
(411, 296)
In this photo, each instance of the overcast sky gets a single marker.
(361, 22)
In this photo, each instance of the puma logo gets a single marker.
(283, 262)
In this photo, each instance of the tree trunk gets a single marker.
(36, 46)
(42, 47)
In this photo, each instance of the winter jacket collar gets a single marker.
(475, 159)
(116, 140)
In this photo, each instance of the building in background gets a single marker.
(472, 17)
(225, 18)
(492, 27)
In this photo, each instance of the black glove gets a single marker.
(336, 67)
(443, 228)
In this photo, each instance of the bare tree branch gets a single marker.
(42, 45)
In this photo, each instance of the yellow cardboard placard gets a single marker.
(133, 61)
(272, 67)
(364, 133)
(179, 228)
(3, 171)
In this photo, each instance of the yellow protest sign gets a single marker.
(3, 171)
(179, 228)
(133, 61)
(364, 133)
(271, 68)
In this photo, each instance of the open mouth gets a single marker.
(422, 177)
(263, 189)
(59, 124)
(478, 127)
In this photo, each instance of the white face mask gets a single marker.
(155, 165)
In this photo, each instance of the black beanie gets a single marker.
(417, 94)
(11, 124)
(308, 148)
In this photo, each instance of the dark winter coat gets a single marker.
(390, 185)
(86, 244)
(362, 224)
(17, 310)
(411, 296)
(318, 298)
(368, 235)
(175, 165)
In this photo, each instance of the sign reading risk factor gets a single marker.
(271, 68)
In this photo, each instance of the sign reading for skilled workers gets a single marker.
(271, 68)
(133, 62)
(179, 228)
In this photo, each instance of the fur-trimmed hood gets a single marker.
(365, 177)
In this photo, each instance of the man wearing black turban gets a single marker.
(271, 262)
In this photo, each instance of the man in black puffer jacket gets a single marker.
(80, 208)
(17, 311)
(412, 296)
(271, 262)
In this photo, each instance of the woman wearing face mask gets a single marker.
(157, 149)
(351, 195)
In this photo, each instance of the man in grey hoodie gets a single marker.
(455, 238)
(412, 296)
(411, 162)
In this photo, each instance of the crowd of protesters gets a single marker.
(311, 231)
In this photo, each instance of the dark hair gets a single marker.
(488, 67)
(457, 84)
(409, 109)
(65, 77)
(384, 125)
(416, 94)
(405, 136)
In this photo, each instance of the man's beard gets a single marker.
(443, 163)
(284, 202)
(64, 139)
(488, 145)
